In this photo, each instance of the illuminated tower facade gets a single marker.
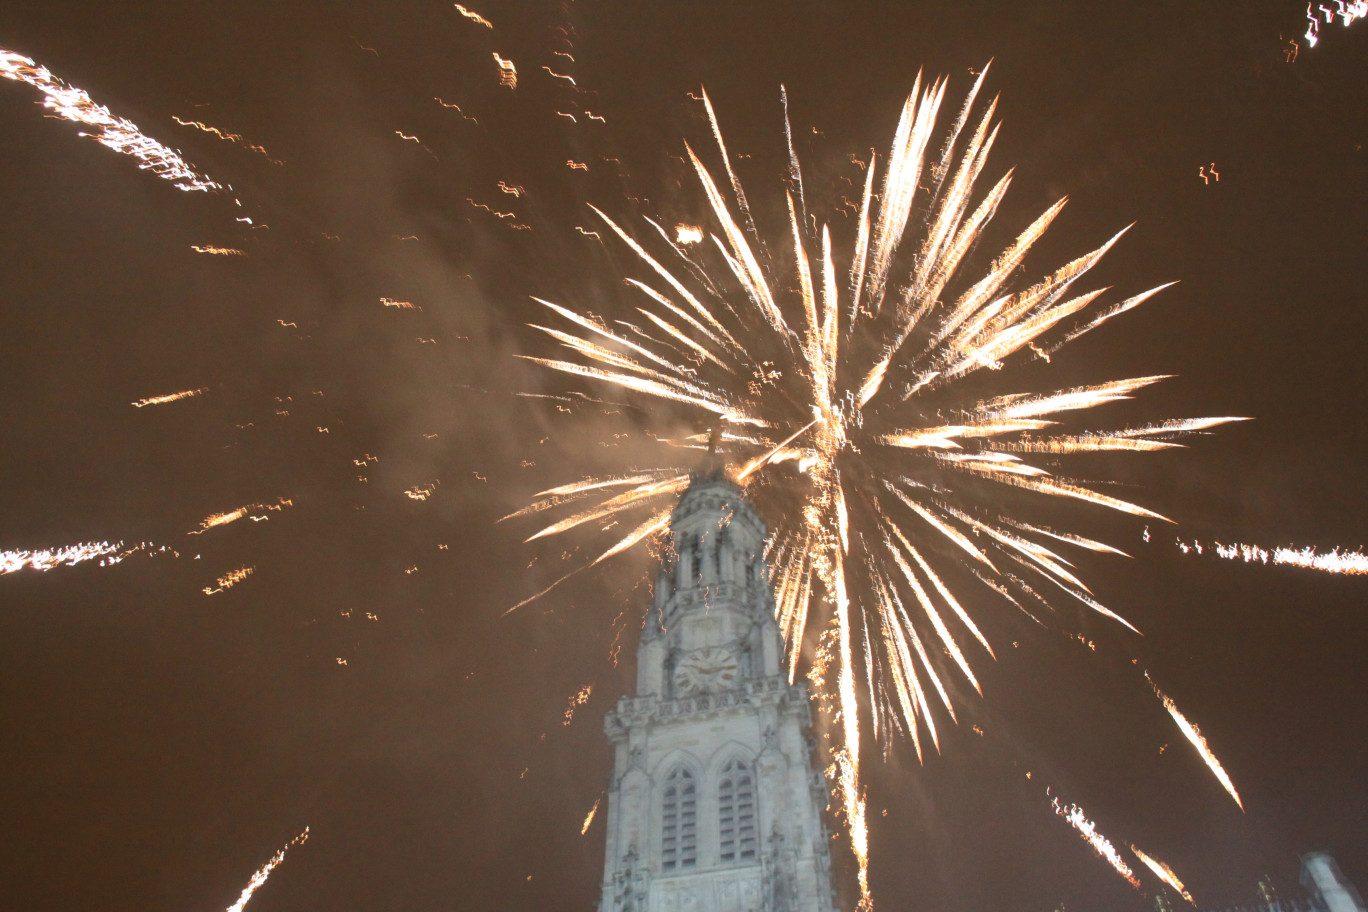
(715, 804)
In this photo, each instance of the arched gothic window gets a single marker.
(736, 812)
(679, 821)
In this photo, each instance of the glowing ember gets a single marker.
(579, 699)
(688, 235)
(117, 133)
(865, 395)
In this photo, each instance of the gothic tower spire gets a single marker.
(714, 805)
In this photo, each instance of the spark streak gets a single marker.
(508, 73)
(421, 492)
(1197, 740)
(1348, 10)
(265, 870)
(67, 556)
(229, 580)
(1101, 845)
(1349, 563)
(1164, 873)
(589, 817)
(256, 511)
(170, 397)
(117, 133)
(235, 138)
(473, 16)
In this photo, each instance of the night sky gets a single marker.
(160, 744)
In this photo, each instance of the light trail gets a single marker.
(508, 73)
(256, 511)
(1348, 11)
(229, 580)
(589, 817)
(871, 411)
(1198, 741)
(1101, 845)
(421, 492)
(265, 870)
(170, 397)
(44, 559)
(218, 251)
(235, 138)
(1164, 873)
(1348, 563)
(473, 16)
(117, 133)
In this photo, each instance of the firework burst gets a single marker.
(864, 394)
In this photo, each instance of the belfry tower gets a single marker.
(714, 804)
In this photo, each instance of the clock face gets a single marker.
(704, 670)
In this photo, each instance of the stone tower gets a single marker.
(714, 804)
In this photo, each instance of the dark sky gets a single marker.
(161, 744)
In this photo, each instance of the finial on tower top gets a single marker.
(715, 439)
(714, 464)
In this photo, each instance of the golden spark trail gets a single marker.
(473, 16)
(170, 397)
(229, 580)
(508, 73)
(1164, 873)
(117, 133)
(589, 817)
(1197, 740)
(256, 511)
(264, 872)
(421, 492)
(1101, 845)
(228, 137)
(68, 556)
(1348, 563)
(885, 439)
(1348, 10)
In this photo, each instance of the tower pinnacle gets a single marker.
(714, 805)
